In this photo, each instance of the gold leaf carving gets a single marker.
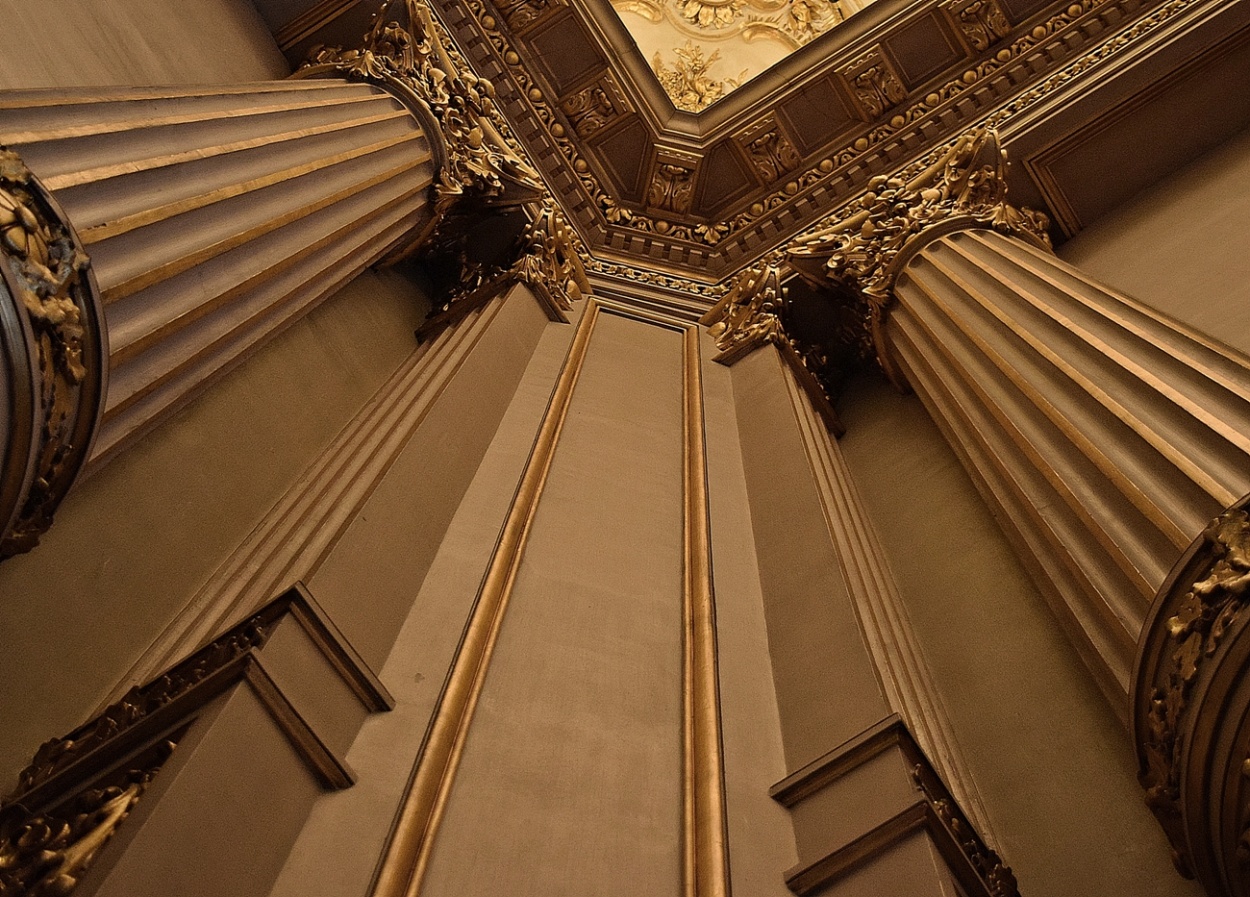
(689, 83)
(968, 183)
(672, 188)
(483, 156)
(749, 312)
(551, 258)
(981, 22)
(874, 85)
(590, 109)
(710, 13)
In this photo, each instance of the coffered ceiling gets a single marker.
(699, 195)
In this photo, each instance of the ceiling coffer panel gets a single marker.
(625, 154)
(724, 177)
(816, 115)
(924, 48)
(565, 53)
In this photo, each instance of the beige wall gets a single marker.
(1051, 761)
(134, 541)
(1183, 245)
(135, 43)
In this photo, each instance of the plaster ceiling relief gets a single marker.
(702, 50)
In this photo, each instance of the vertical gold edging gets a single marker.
(407, 854)
(705, 841)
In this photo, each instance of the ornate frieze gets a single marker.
(52, 338)
(965, 187)
(594, 107)
(873, 83)
(417, 60)
(1189, 707)
(980, 23)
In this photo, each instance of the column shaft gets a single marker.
(215, 217)
(1103, 434)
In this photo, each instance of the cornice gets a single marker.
(1052, 47)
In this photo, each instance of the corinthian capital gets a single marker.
(748, 315)
(966, 187)
(417, 61)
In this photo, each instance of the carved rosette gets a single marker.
(54, 352)
(865, 245)
(418, 62)
(1191, 707)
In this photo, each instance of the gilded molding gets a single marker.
(864, 245)
(1201, 604)
(689, 82)
(52, 333)
(483, 158)
(45, 854)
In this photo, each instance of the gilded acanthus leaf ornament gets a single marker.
(417, 57)
(749, 314)
(689, 83)
(967, 186)
(44, 274)
(710, 13)
(551, 259)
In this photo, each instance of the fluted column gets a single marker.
(1103, 434)
(215, 217)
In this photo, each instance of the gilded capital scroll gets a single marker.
(416, 60)
(865, 244)
(54, 353)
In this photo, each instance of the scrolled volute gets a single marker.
(53, 348)
(749, 313)
(966, 187)
(550, 258)
(483, 160)
(1191, 707)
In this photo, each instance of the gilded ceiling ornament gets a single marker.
(874, 85)
(688, 83)
(772, 154)
(806, 20)
(590, 109)
(520, 13)
(483, 158)
(672, 187)
(749, 314)
(55, 337)
(981, 22)
(710, 13)
(967, 184)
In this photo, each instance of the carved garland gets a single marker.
(52, 339)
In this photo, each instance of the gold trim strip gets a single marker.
(705, 838)
(128, 223)
(181, 265)
(121, 169)
(309, 22)
(17, 138)
(407, 854)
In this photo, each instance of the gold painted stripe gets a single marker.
(191, 260)
(706, 859)
(311, 20)
(16, 138)
(120, 169)
(49, 98)
(127, 223)
(407, 854)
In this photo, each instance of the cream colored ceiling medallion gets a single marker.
(689, 82)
